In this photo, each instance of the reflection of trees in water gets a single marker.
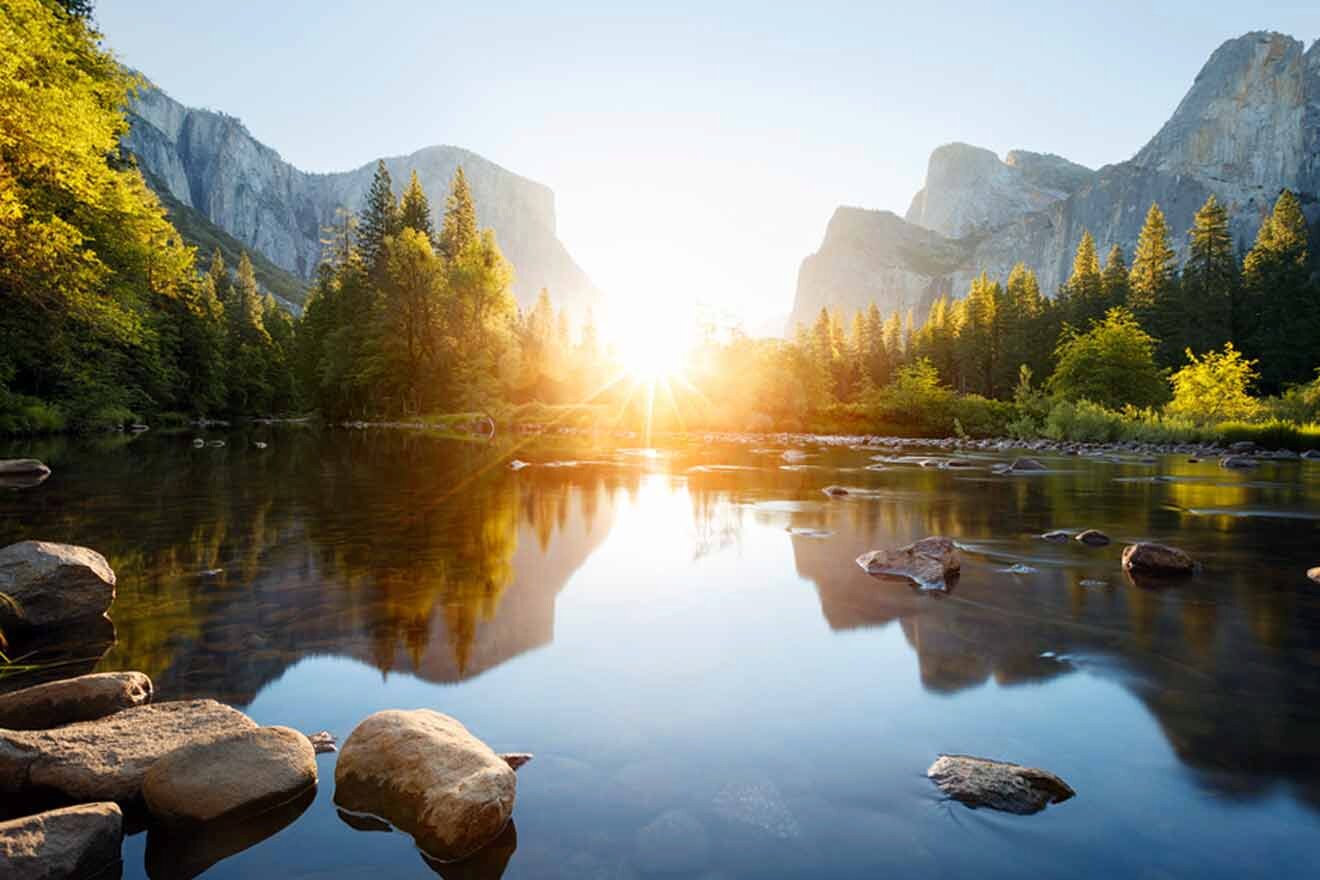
(1227, 663)
(399, 549)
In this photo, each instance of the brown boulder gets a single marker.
(84, 698)
(66, 844)
(230, 779)
(1156, 560)
(424, 773)
(51, 584)
(998, 785)
(1314, 574)
(106, 760)
(929, 562)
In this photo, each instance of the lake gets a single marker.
(710, 685)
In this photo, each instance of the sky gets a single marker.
(696, 150)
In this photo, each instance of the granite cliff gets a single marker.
(1248, 127)
(210, 163)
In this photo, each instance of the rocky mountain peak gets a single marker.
(969, 190)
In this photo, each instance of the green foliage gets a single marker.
(1210, 279)
(1112, 364)
(1215, 387)
(1279, 313)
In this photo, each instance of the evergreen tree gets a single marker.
(415, 210)
(978, 337)
(459, 228)
(1084, 291)
(1153, 295)
(1021, 330)
(380, 220)
(1280, 314)
(1114, 283)
(1210, 279)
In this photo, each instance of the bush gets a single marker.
(1083, 421)
(28, 415)
(1215, 387)
(1112, 364)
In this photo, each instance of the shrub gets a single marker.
(1083, 421)
(1112, 364)
(1215, 387)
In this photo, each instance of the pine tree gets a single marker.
(380, 220)
(459, 228)
(1021, 312)
(219, 275)
(1084, 290)
(1114, 283)
(1153, 296)
(1280, 313)
(1210, 279)
(415, 210)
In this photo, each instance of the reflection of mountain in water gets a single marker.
(272, 561)
(1226, 663)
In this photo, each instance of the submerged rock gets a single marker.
(929, 562)
(181, 852)
(835, 491)
(1093, 538)
(230, 779)
(1237, 462)
(73, 842)
(1157, 560)
(998, 785)
(84, 698)
(107, 759)
(428, 776)
(23, 467)
(1058, 536)
(1026, 464)
(674, 843)
(51, 584)
(323, 742)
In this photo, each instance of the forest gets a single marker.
(110, 318)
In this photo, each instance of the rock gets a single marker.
(1157, 560)
(1242, 446)
(1021, 465)
(1311, 455)
(22, 467)
(516, 759)
(675, 842)
(517, 465)
(1093, 538)
(1057, 536)
(259, 445)
(67, 844)
(929, 562)
(427, 775)
(84, 698)
(233, 778)
(323, 742)
(51, 584)
(1314, 574)
(998, 785)
(107, 759)
(835, 491)
(1237, 462)
(198, 443)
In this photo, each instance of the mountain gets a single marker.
(209, 163)
(1248, 128)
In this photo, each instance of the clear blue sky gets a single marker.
(696, 150)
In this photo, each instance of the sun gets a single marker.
(655, 352)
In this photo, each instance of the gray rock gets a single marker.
(242, 775)
(1093, 538)
(1026, 465)
(428, 776)
(675, 842)
(71, 700)
(930, 562)
(998, 785)
(209, 162)
(22, 467)
(53, 584)
(1157, 560)
(107, 759)
(323, 742)
(1057, 536)
(1237, 462)
(66, 844)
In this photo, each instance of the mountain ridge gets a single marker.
(1247, 128)
(209, 162)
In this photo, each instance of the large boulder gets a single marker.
(998, 785)
(234, 778)
(1156, 560)
(106, 760)
(67, 844)
(930, 562)
(52, 584)
(84, 698)
(424, 773)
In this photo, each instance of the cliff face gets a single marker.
(209, 162)
(1248, 128)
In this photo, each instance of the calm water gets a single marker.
(712, 688)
